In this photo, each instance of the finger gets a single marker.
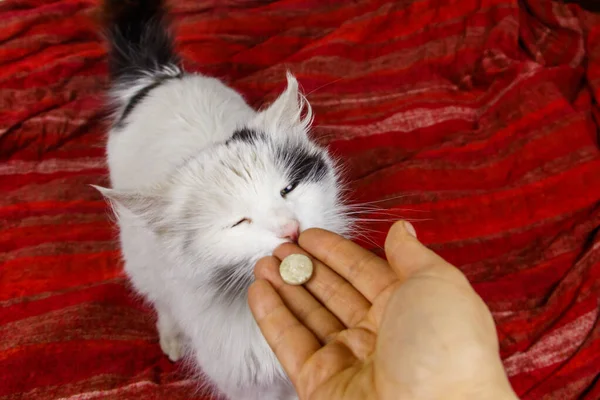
(408, 257)
(300, 302)
(333, 291)
(336, 361)
(369, 274)
(292, 342)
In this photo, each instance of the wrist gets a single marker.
(498, 388)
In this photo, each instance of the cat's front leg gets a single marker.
(170, 335)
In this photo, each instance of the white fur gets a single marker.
(178, 189)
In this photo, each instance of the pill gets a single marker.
(296, 269)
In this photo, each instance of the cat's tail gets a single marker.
(139, 38)
(141, 51)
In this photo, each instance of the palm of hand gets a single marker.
(344, 367)
(366, 329)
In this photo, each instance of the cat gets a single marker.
(203, 186)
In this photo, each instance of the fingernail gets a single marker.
(410, 229)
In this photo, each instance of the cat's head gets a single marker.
(236, 201)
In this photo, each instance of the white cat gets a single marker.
(203, 187)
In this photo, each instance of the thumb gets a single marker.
(438, 323)
(409, 257)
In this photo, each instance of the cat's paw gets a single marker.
(172, 345)
(171, 338)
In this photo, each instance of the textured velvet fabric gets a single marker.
(477, 119)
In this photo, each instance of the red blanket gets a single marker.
(478, 119)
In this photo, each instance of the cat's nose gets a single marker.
(290, 230)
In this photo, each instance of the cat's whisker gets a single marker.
(324, 86)
(393, 219)
(379, 209)
(376, 212)
(367, 239)
(401, 196)
(384, 218)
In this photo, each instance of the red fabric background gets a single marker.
(477, 117)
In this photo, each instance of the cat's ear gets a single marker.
(149, 206)
(289, 112)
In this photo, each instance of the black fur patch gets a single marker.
(231, 282)
(135, 100)
(246, 135)
(302, 165)
(139, 38)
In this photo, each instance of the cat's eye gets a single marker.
(286, 190)
(242, 221)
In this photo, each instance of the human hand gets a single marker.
(363, 328)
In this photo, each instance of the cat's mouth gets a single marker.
(290, 240)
